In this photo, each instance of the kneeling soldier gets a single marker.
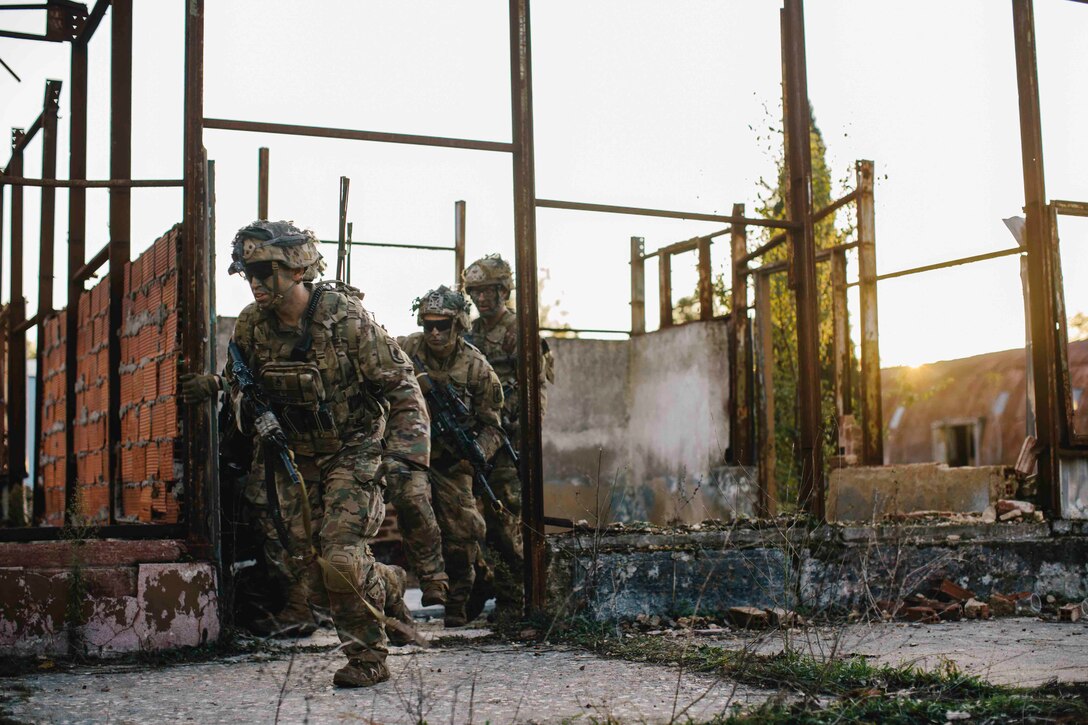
(447, 365)
(334, 384)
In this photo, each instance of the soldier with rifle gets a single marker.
(336, 414)
(464, 397)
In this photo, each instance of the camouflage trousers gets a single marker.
(346, 510)
(461, 524)
(417, 524)
(504, 549)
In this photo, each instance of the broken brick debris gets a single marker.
(1069, 613)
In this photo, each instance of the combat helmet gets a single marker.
(487, 271)
(282, 242)
(442, 301)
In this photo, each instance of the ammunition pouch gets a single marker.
(297, 395)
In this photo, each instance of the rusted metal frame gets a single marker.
(803, 245)
(223, 124)
(1069, 208)
(767, 500)
(1040, 261)
(25, 136)
(127, 532)
(47, 232)
(77, 247)
(16, 35)
(664, 290)
(740, 392)
(639, 211)
(25, 6)
(584, 329)
(429, 247)
(91, 24)
(945, 265)
(120, 219)
(822, 255)
(25, 325)
(763, 248)
(350, 244)
(9, 69)
(91, 183)
(638, 286)
(341, 245)
(202, 496)
(1070, 437)
(818, 216)
(706, 283)
(840, 340)
(90, 267)
(872, 399)
(459, 222)
(529, 352)
(262, 182)
(17, 382)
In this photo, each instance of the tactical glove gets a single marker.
(197, 388)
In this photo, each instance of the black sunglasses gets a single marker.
(259, 270)
(440, 325)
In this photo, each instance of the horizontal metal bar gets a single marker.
(116, 531)
(834, 206)
(762, 249)
(559, 522)
(93, 265)
(393, 246)
(25, 36)
(25, 6)
(223, 124)
(638, 211)
(822, 255)
(583, 329)
(26, 324)
(953, 263)
(92, 183)
(1070, 208)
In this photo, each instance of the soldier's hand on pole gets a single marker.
(196, 388)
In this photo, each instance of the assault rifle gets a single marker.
(274, 444)
(446, 409)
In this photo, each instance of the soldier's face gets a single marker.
(489, 300)
(266, 280)
(438, 333)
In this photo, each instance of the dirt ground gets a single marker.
(467, 679)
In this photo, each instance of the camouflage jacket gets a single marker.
(475, 383)
(336, 380)
(500, 345)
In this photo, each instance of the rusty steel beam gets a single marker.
(91, 266)
(767, 499)
(639, 211)
(706, 283)
(777, 239)
(91, 24)
(840, 339)
(202, 495)
(17, 382)
(638, 286)
(950, 263)
(342, 240)
(459, 221)
(25, 136)
(430, 247)
(262, 182)
(91, 183)
(529, 352)
(803, 245)
(46, 248)
(223, 124)
(740, 394)
(664, 291)
(872, 400)
(1040, 261)
(585, 329)
(77, 248)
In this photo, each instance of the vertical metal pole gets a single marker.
(1040, 260)
(740, 394)
(803, 242)
(262, 183)
(768, 500)
(45, 277)
(342, 238)
(458, 243)
(77, 253)
(1029, 388)
(840, 334)
(529, 350)
(638, 286)
(706, 285)
(664, 289)
(872, 417)
(17, 382)
(347, 263)
(202, 495)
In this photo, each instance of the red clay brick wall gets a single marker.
(51, 464)
(150, 470)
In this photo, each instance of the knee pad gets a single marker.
(344, 572)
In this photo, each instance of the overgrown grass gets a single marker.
(841, 690)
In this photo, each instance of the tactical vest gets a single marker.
(312, 381)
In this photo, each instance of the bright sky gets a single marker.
(637, 103)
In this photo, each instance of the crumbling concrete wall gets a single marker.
(619, 574)
(651, 414)
(865, 493)
(101, 597)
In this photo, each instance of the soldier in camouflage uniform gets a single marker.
(489, 282)
(441, 352)
(339, 386)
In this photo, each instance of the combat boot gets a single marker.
(455, 615)
(294, 620)
(399, 625)
(483, 588)
(434, 591)
(359, 673)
